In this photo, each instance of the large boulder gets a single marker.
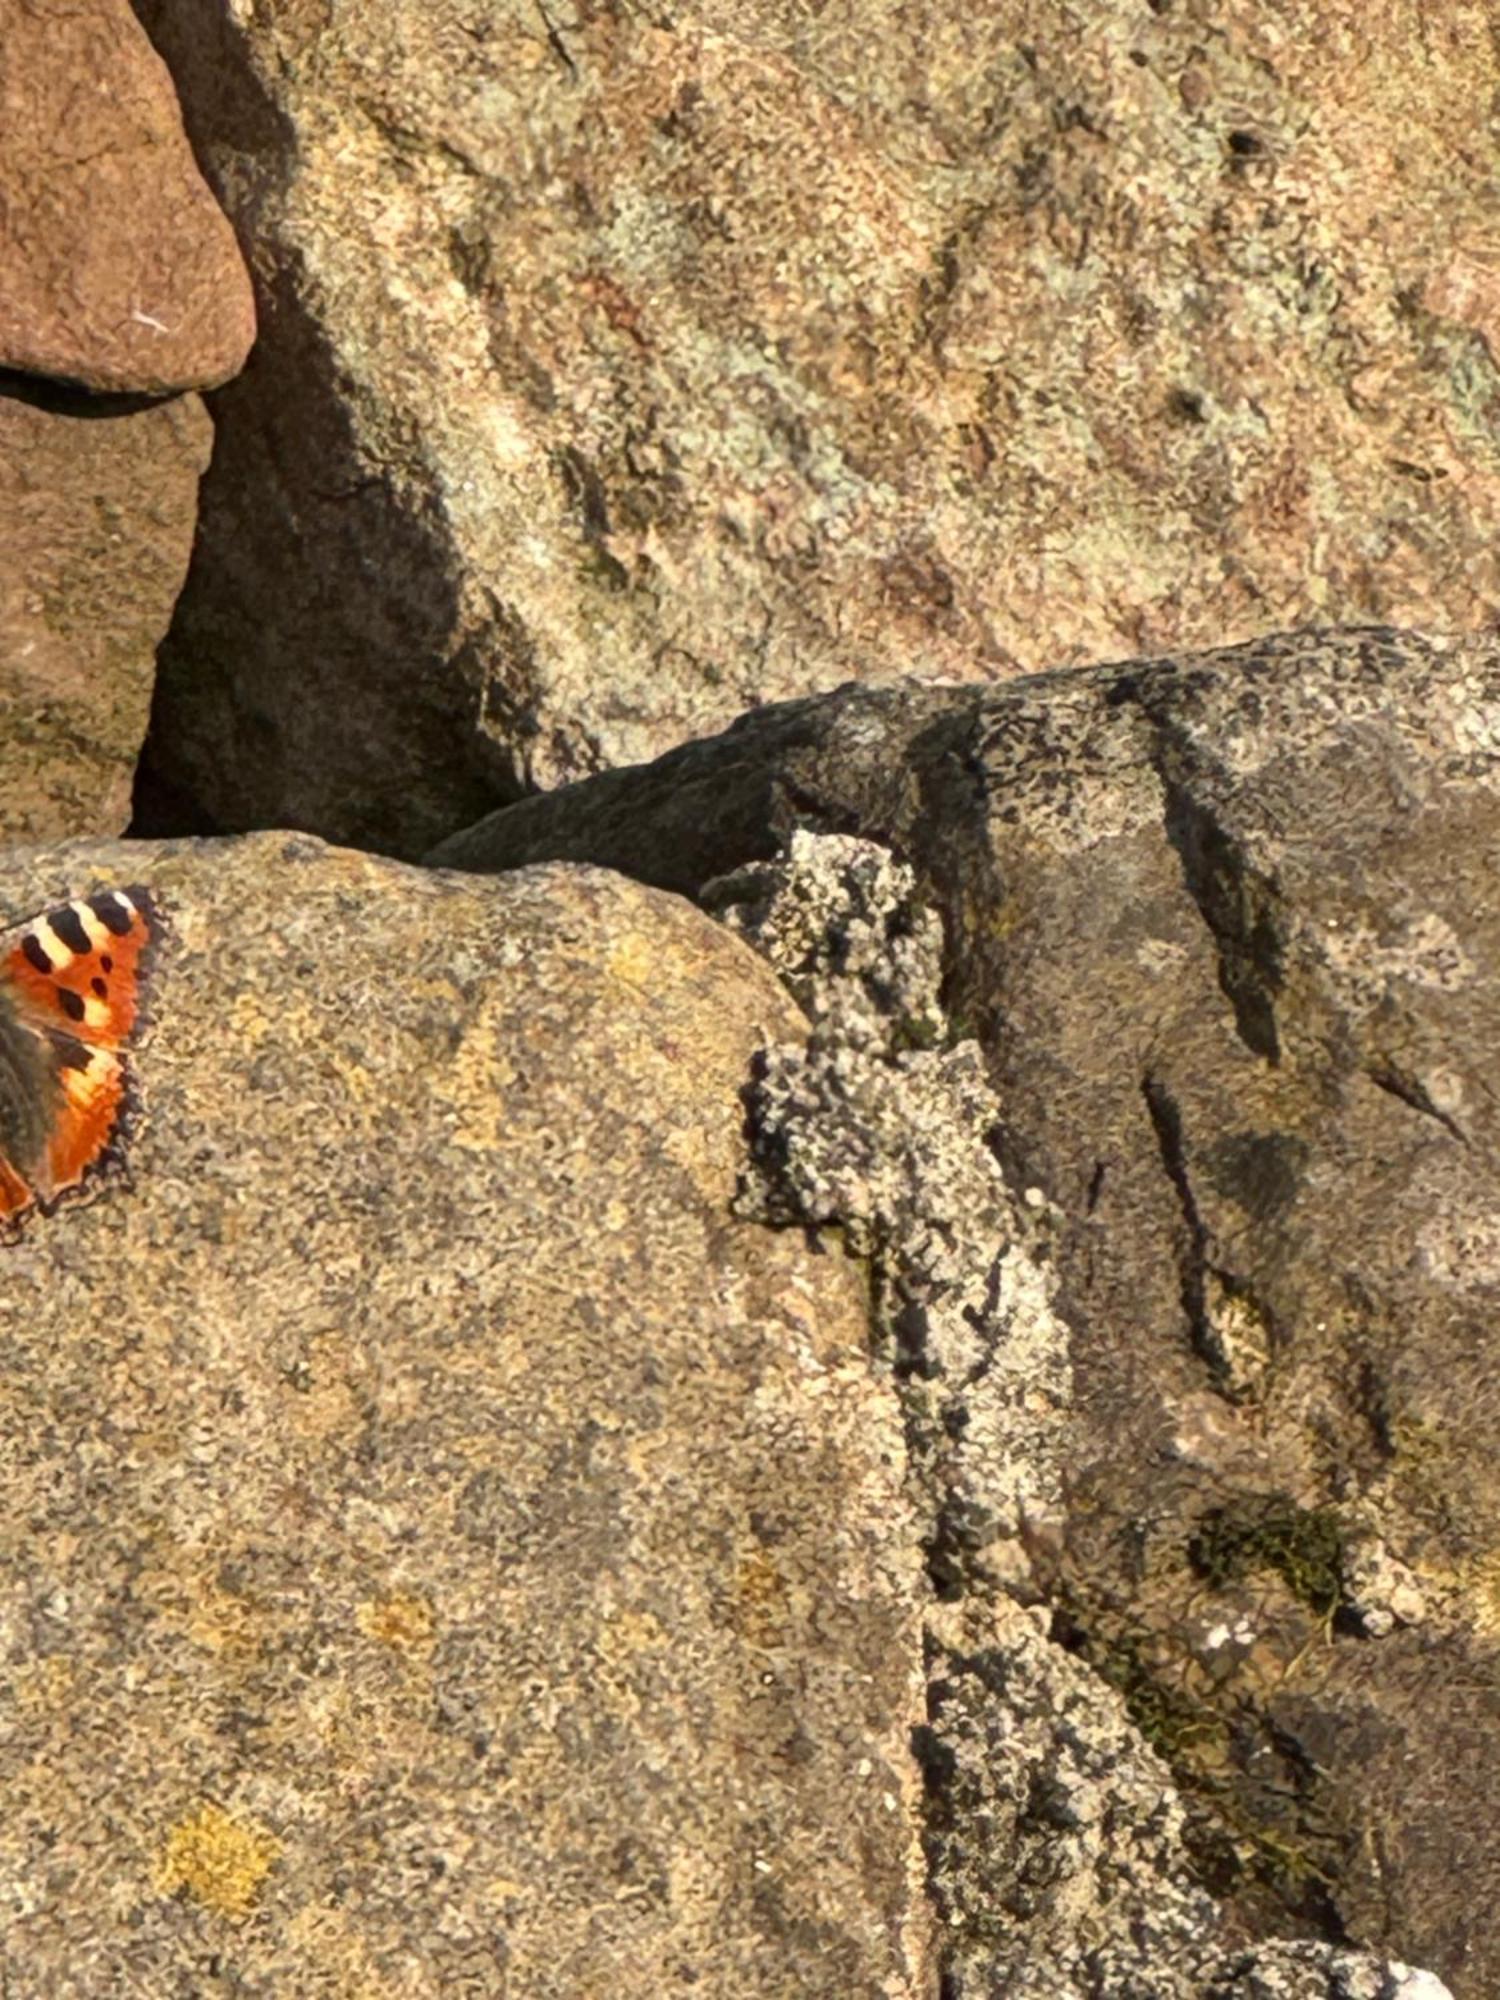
(1224, 927)
(97, 505)
(446, 1551)
(121, 272)
(620, 371)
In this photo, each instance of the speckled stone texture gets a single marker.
(120, 271)
(97, 504)
(445, 1552)
(1226, 928)
(1060, 1863)
(621, 369)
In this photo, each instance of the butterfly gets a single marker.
(71, 989)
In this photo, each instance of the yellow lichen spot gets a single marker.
(222, 1622)
(1476, 1585)
(46, 1686)
(220, 1862)
(249, 1019)
(764, 1606)
(632, 961)
(473, 1088)
(364, 1090)
(397, 1620)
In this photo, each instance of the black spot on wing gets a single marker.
(71, 1003)
(101, 987)
(112, 913)
(36, 957)
(68, 1051)
(68, 925)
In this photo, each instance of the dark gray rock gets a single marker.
(1058, 1844)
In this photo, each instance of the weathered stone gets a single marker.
(97, 504)
(621, 371)
(1225, 929)
(880, 1123)
(446, 1551)
(1057, 1841)
(1289, 1971)
(120, 272)
(1061, 1863)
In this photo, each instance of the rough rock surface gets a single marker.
(1057, 1841)
(1060, 1858)
(120, 271)
(446, 1552)
(1225, 929)
(867, 1126)
(621, 370)
(97, 504)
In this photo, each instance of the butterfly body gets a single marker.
(71, 991)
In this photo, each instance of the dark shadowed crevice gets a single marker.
(1412, 1092)
(1166, 1123)
(278, 703)
(71, 399)
(1238, 904)
(162, 809)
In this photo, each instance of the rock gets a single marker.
(121, 275)
(97, 504)
(1224, 930)
(448, 1551)
(621, 372)
(879, 1123)
(1318, 1972)
(1058, 1847)
(1058, 1858)
(719, 804)
(1379, 1592)
(120, 271)
(1061, 1863)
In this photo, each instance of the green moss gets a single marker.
(1270, 1845)
(1302, 1545)
(1171, 1722)
(916, 1031)
(597, 566)
(1234, 1855)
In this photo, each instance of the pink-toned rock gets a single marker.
(96, 524)
(117, 269)
(622, 369)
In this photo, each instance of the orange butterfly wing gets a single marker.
(75, 980)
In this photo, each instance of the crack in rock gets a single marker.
(1241, 907)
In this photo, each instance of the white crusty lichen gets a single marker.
(882, 1124)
